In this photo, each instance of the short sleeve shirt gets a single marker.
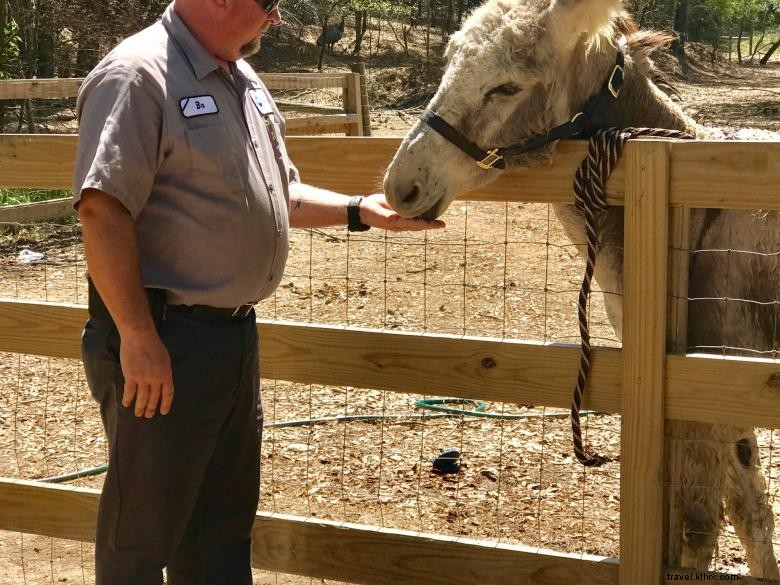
(197, 156)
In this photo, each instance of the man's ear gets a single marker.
(568, 20)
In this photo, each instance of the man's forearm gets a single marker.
(311, 207)
(314, 207)
(112, 260)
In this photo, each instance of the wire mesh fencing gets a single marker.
(476, 469)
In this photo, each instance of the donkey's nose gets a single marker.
(411, 196)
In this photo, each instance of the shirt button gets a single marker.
(270, 188)
(255, 144)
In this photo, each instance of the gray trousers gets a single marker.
(181, 490)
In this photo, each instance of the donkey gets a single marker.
(516, 72)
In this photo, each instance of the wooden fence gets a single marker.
(657, 181)
(352, 119)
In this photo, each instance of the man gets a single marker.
(185, 194)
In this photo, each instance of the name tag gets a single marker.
(261, 101)
(198, 106)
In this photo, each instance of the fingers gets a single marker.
(141, 398)
(129, 393)
(151, 402)
(416, 224)
(381, 215)
(147, 398)
(380, 199)
(167, 397)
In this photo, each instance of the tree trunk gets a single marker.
(450, 19)
(739, 40)
(45, 33)
(361, 24)
(428, 35)
(378, 31)
(672, 13)
(5, 66)
(681, 25)
(324, 27)
(760, 40)
(765, 59)
(27, 109)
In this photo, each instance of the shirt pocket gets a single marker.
(214, 164)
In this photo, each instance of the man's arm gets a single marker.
(112, 259)
(312, 207)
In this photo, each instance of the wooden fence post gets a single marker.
(352, 104)
(360, 68)
(644, 350)
(677, 343)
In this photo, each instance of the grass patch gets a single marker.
(15, 196)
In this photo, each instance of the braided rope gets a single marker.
(604, 150)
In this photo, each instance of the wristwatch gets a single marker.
(353, 215)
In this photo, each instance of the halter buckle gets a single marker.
(615, 91)
(491, 159)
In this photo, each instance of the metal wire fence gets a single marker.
(368, 456)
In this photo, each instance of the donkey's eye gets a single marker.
(505, 89)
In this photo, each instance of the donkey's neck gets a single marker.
(640, 104)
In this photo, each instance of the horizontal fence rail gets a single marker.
(39, 211)
(342, 551)
(18, 89)
(699, 388)
(349, 121)
(326, 549)
(701, 173)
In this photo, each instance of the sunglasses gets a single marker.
(268, 6)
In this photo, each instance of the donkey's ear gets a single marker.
(568, 20)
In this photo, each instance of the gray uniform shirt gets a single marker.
(197, 157)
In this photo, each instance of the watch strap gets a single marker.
(353, 215)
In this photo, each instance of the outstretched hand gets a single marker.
(376, 212)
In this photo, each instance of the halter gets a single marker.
(580, 125)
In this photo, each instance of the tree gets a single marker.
(768, 55)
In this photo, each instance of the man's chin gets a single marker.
(250, 48)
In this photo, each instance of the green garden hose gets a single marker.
(436, 404)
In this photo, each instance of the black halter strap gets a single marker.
(581, 125)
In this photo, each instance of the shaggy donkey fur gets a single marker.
(516, 69)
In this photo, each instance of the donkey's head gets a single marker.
(515, 70)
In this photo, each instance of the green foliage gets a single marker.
(9, 48)
(17, 196)
(382, 7)
(706, 20)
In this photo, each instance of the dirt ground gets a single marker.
(498, 270)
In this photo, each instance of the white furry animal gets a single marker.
(518, 68)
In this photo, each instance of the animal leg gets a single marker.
(747, 505)
(702, 502)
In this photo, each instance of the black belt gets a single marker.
(158, 306)
(234, 314)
